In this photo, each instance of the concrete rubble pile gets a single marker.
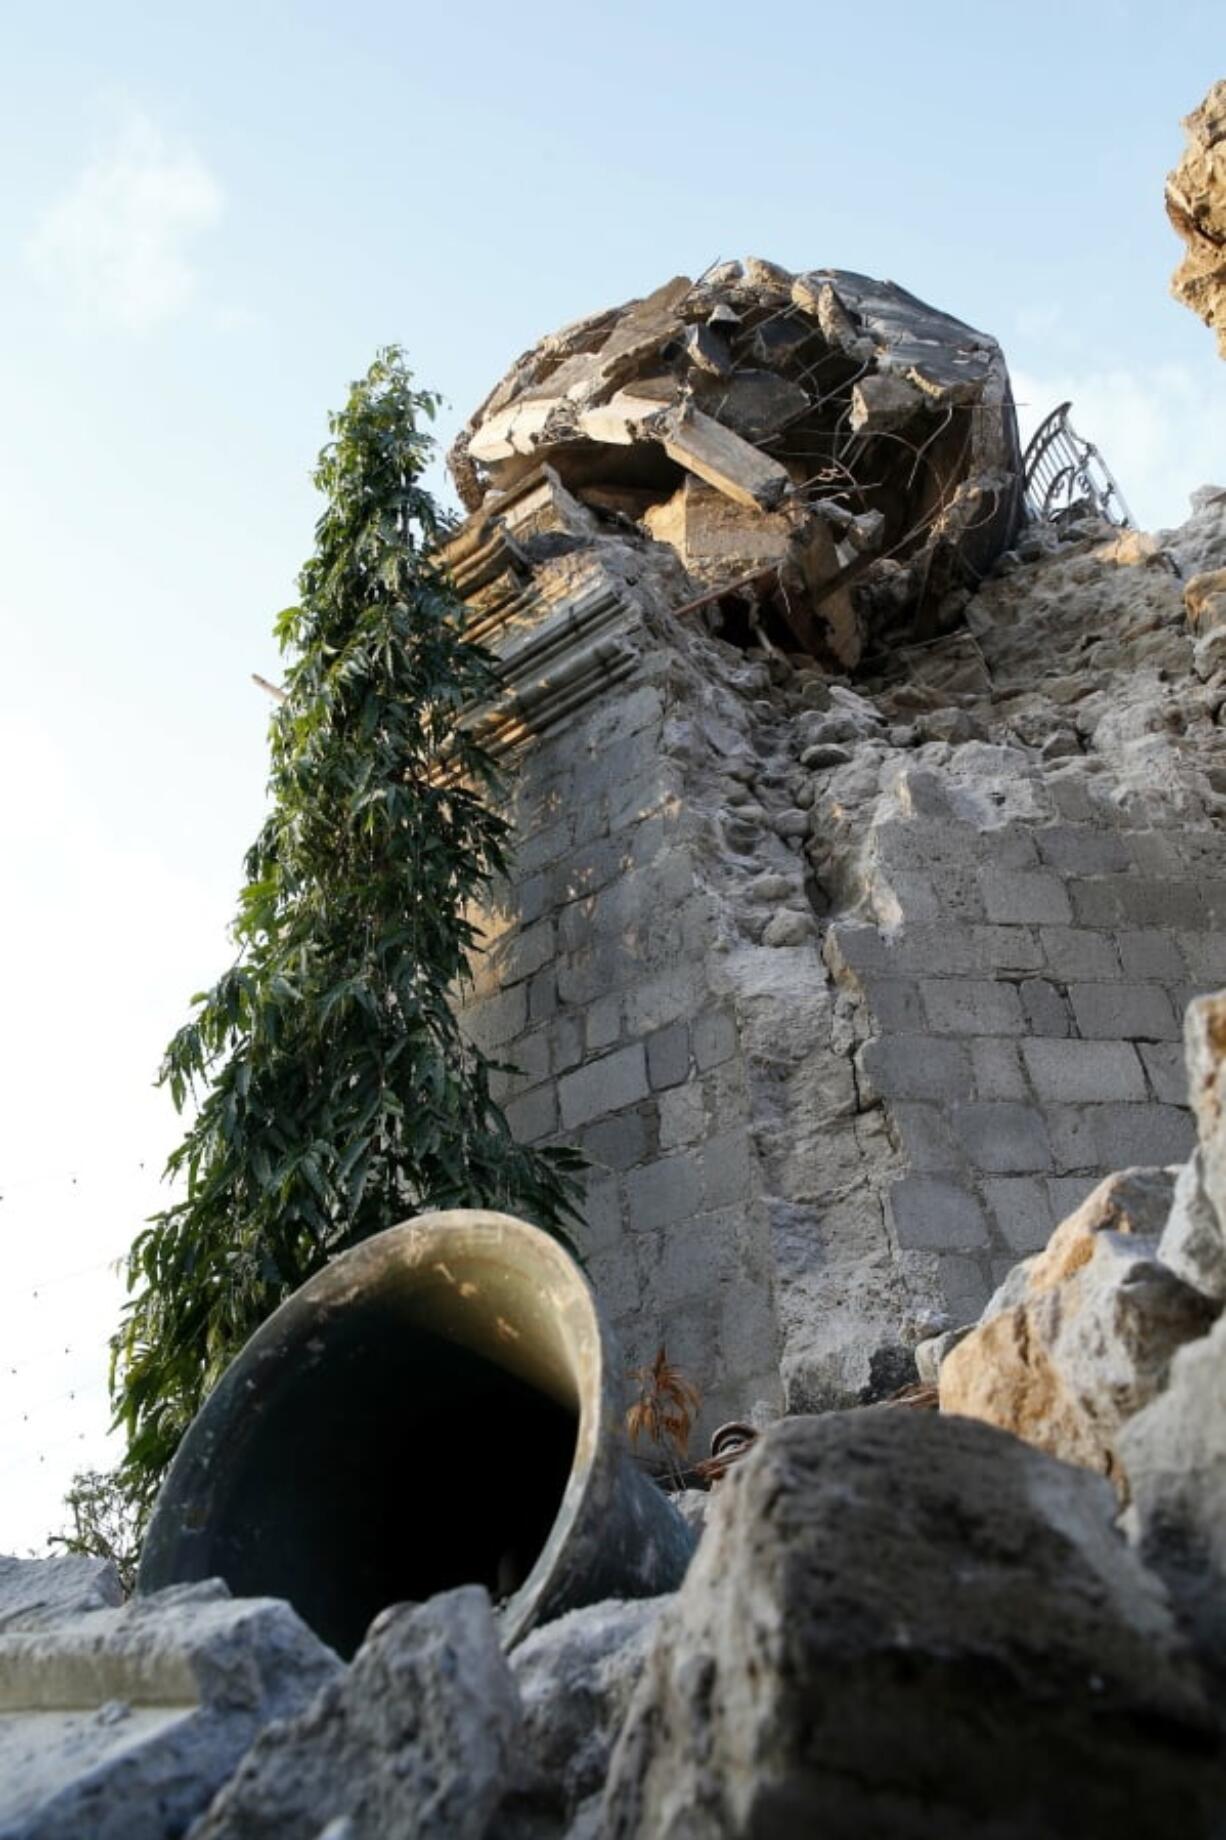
(843, 452)
(1196, 206)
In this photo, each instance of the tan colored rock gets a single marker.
(1205, 599)
(1196, 206)
(1082, 1335)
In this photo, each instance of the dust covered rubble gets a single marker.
(845, 451)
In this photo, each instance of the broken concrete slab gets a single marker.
(823, 388)
(723, 459)
(36, 1593)
(121, 1724)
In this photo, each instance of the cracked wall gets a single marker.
(848, 984)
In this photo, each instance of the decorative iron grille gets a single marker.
(1066, 476)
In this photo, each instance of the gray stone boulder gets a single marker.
(36, 1593)
(1176, 1456)
(907, 1625)
(1193, 1245)
(121, 1724)
(413, 1742)
(575, 1679)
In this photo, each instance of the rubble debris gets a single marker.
(1196, 206)
(817, 1673)
(851, 448)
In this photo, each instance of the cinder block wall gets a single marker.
(849, 995)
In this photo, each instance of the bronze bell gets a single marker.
(440, 1405)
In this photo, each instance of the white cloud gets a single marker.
(1161, 429)
(116, 247)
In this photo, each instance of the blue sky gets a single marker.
(210, 218)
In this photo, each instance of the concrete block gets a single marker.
(1023, 895)
(603, 1023)
(614, 1278)
(668, 1056)
(664, 1192)
(1073, 952)
(1070, 795)
(748, 1334)
(1205, 956)
(1161, 903)
(494, 1021)
(1002, 1136)
(1022, 1210)
(542, 996)
(936, 951)
(532, 897)
(1104, 1137)
(1212, 893)
(602, 1213)
(619, 1143)
(534, 1114)
(997, 1070)
(608, 965)
(543, 846)
(1151, 954)
(1045, 1008)
(915, 1067)
(971, 1006)
(565, 1043)
(1082, 849)
(1084, 1072)
(528, 1058)
(930, 1213)
(895, 1005)
(1006, 948)
(729, 1168)
(1164, 1064)
(714, 1038)
(692, 1257)
(1128, 1012)
(926, 1138)
(1096, 901)
(605, 1085)
(1155, 853)
(966, 1285)
(662, 998)
(1068, 1192)
(683, 1117)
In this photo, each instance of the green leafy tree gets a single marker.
(103, 1523)
(333, 1091)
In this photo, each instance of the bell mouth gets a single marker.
(422, 1413)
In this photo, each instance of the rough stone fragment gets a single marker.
(1205, 599)
(1205, 1048)
(413, 1742)
(1084, 1339)
(122, 1723)
(35, 1593)
(1193, 1244)
(907, 1625)
(1196, 206)
(1175, 1454)
(575, 1678)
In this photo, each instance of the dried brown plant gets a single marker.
(665, 1407)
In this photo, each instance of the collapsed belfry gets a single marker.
(853, 909)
